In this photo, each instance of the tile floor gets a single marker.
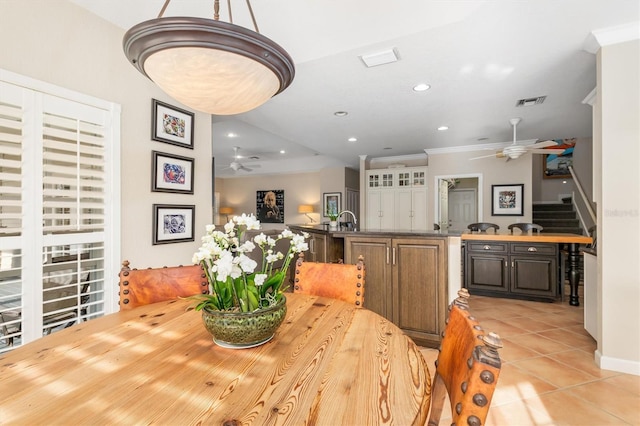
(548, 374)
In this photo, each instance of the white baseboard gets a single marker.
(616, 364)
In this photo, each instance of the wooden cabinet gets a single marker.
(397, 199)
(512, 269)
(323, 247)
(406, 282)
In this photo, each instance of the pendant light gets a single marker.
(209, 65)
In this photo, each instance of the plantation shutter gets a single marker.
(11, 138)
(56, 220)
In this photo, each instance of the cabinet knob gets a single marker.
(486, 247)
(532, 249)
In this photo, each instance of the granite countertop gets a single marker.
(344, 232)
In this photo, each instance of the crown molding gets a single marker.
(408, 157)
(611, 35)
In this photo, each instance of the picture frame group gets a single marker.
(171, 173)
(507, 200)
(172, 125)
(331, 203)
(173, 223)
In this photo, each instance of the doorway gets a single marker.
(458, 201)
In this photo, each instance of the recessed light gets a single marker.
(231, 135)
(282, 151)
(442, 128)
(421, 87)
(340, 113)
(352, 139)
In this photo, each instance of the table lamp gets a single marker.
(226, 211)
(306, 209)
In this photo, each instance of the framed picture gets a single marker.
(173, 223)
(331, 203)
(270, 206)
(556, 166)
(172, 125)
(507, 200)
(171, 173)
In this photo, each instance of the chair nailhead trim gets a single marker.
(480, 400)
(487, 377)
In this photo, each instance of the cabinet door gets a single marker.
(419, 287)
(534, 275)
(373, 213)
(387, 208)
(488, 272)
(317, 247)
(419, 209)
(404, 209)
(377, 284)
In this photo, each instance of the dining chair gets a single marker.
(144, 286)
(526, 227)
(467, 367)
(335, 280)
(482, 227)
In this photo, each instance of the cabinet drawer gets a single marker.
(529, 248)
(487, 246)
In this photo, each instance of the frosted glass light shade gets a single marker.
(210, 66)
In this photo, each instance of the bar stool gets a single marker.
(525, 227)
(482, 227)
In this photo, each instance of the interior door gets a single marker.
(462, 208)
(443, 192)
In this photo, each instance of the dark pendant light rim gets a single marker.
(154, 35)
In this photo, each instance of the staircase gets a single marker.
(557, 217)
(560, 217)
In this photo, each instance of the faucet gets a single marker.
(355, 221)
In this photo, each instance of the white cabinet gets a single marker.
(397, 199)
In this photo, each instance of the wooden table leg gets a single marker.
(574, 273)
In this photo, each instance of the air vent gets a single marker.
(380, 58)
(254, 157)
(531, 101)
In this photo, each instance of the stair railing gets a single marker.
(585, 202)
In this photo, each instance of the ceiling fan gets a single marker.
(236, 165)
(514, 150)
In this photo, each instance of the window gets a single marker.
(56, 242)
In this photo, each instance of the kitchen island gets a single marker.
(407, 273)
(413, 276)
(521, 265)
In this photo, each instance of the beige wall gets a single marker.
(62, 44)
(619, 211)
(299, 188)
(493, 170)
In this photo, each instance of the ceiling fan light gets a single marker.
(211, 66)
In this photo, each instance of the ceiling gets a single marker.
(479, 57)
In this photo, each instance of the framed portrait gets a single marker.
(331, 203)
(556, 166)
(173, 223)
(507, 200)
(171, 173)
(270, 206)
(172, 125)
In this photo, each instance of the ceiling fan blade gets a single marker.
(246, 169)
(543, 144)
(546, 151)
(497, 155)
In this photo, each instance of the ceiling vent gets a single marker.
(531, 101)
(380, 58)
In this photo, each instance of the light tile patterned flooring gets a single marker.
(549, 376)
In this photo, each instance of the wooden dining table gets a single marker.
(329, 363)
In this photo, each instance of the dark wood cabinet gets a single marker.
(406, 282)
(323, 246)
(512, 269)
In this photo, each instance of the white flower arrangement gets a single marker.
(233, 280)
